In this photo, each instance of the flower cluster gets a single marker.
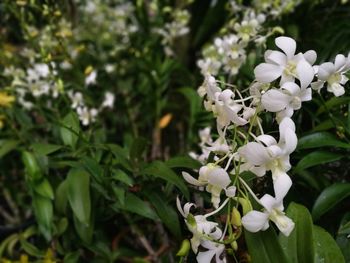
(282, 83)
(228, 52)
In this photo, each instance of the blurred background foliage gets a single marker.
(106, 192)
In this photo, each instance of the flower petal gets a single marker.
(305, 73)
(266, 73)
(275, 100)
(310, 56)
(281, 185)
(191, 180)
(284, 224)
(268, 201)
(325, 70)
(254, 153)
(255, 221)
(275, 57)
(340, 62)
(287, 44)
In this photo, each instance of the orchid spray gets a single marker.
(282, 83)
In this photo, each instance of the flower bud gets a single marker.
(184, 249)
(236, 218)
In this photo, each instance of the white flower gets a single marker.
(108, 100)
(76, 98)
(91, 78)
(268, 155)
(215, 179)
(255, 221)
(290, 96)
(282, 65)
(333, 75)
(214, 249)
(86, 115)
(201, 228)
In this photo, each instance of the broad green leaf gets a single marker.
(299, 244)
(61, 226)
(44, 188)
(326, 249)
(329, 198)
(136, 205)
(333, 102)
(121, 176)
(44, 214)
(78, 181)
(31, 165)
(343, 240)
(183, 162)
(70, 129)
(316, 158)
(159, 169)
(61, 197)
(264, 247)
(166, 213)
(320, 139)
(44, 148)
(85, 231)
(7, 146)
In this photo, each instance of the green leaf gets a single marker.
(44, 148)
(7, 146)
(183, 162)
(44, 214)
(159, 169)
(166, 213)
(72, 257)
(70, 129)
(31, 165)
(264, 247)
(93, 167)
(78, 181)
(329, 198)
(316, 158)
(333, 102)
(85, 231)
(44, 188)
(299, 244)
(136, 205)
(320, 139)
(121, 176)
(342, 236)
(61, 199)
(31, 249)
(119, 193)
(326, 249)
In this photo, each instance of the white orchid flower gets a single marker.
(91, 78)
(255, 221)
(86, 115)
(214, 249)
(268, 155)
(108, 101)
(201, 228)
(333, 75)
(289, 98)
(284, 64)
(215, 179)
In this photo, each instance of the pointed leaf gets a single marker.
(316, 158)
(264, 247)
(159, 169)
(299, 244)
(70, 129)
(326, 249)
(78, 181)
(329, 198)
(44, 148)
(320, 139)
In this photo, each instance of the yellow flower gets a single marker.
(5, 99)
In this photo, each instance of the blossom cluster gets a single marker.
(282, 83)
(228, 52)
